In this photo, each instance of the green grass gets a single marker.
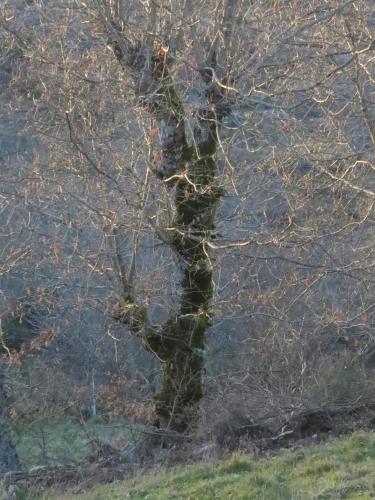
(56, 442)
(343, 468)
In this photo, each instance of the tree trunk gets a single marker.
(8, 455)
(179, 343)
(183, 335)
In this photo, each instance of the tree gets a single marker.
(188, 157)
(187, 160)
(258, 115)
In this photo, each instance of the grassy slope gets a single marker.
(343, 468)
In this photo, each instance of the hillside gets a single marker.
(343, 468)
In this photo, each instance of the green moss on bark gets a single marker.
(183, 336)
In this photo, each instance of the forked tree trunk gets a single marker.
(179, 343)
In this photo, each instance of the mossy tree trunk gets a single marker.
(183, 335)
(179, 343)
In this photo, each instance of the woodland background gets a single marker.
(292, 312)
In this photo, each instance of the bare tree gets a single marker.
(189, 162)
(215, 168)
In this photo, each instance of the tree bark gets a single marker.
(183, 353)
